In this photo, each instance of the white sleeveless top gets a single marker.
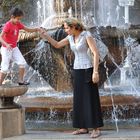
(82, 60)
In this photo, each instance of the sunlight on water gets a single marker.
(125, 79)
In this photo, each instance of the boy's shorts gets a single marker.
(9, 56)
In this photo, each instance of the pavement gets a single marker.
(123, 134)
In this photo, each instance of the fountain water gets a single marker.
(106, 15)
(126, 4)
(46, 59)
(119, 84)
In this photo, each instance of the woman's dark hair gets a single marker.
(16, 12)
(74, 22)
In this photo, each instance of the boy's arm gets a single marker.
(30, 29)
(1, 39)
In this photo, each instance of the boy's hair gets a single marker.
(16, 12)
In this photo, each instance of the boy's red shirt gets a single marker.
(11, 33)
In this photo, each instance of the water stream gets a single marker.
(125, 80)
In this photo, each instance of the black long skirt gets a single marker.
(86, 101)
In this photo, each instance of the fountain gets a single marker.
(116, 87)
(11, 113)
(7, 94)
(49, 68)
(126, 4)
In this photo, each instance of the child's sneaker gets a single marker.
(24, 83)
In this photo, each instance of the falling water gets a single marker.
(45, 9)
(114, 111)
(81, 5)
(107, 16)
(39, 12)
(128, 82)
(75, 7)
(103, 52)
(61, 6)
(70, 12)
(129, 70)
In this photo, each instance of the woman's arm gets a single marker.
(92, 45)
(53, 42)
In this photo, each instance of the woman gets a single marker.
(86, 102)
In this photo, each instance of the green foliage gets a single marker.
(9, 3)
(28, 7)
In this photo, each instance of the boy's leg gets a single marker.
(6, 56)
(19, 59)
(2, 76)
(21, 74)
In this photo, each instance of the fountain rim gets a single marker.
(12, 90)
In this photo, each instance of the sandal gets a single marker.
(24, 83)
(96, 133)
(80, 131)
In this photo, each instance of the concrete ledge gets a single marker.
(12, 122)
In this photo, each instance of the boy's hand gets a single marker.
(8, 46)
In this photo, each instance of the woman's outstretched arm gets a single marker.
(53, 42)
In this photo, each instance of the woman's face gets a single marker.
(69, 30)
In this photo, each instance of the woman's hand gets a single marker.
(42, 32)
(95, 77)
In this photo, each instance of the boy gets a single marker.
(9, 49)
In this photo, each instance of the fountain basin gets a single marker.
(47, 110)
(7, 94)
(46, 103)
(58, 103)
(65, 104)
